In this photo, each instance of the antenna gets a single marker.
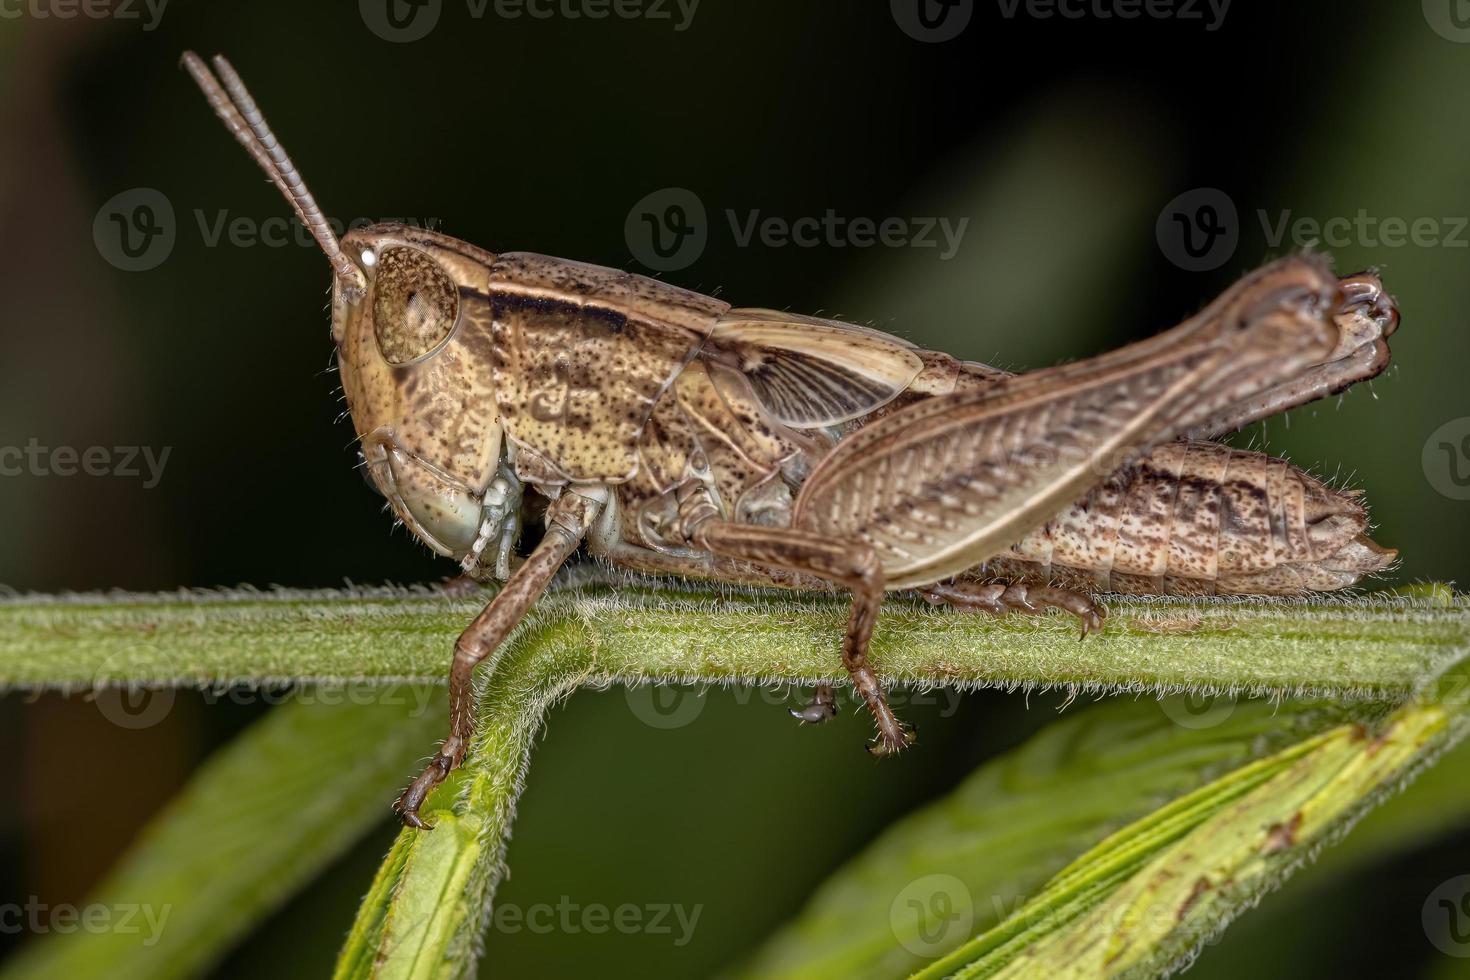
(242, 117)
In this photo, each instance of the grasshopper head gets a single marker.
(414, 355)
(410, 320)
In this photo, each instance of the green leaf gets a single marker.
(425, 914)
(1143, 901)
(429, 900)
(960, 865)
(261, 818)
(1286, 936)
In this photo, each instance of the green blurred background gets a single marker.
(1064, 142)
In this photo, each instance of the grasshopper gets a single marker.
(674, 434)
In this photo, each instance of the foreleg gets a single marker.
(567, 520)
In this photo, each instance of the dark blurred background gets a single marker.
(1103, 175)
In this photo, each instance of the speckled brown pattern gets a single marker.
(599, 376)
(1199, 518)
(582, 353)
(674, 433)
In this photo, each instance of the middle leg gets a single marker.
(999, 598)
(823, 704)
(850, 564)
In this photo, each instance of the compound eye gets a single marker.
(415, 304)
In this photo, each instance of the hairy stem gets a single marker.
(426, 913)
(1373, 647)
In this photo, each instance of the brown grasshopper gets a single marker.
(675, 434)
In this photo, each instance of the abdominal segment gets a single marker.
(1198, 518)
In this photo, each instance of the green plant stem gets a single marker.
(426, 913)
(1375, 647)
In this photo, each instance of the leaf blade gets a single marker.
(256, 822)
(1016, 821)
(1156, 918)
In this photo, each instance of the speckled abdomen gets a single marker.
(1198, 518)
